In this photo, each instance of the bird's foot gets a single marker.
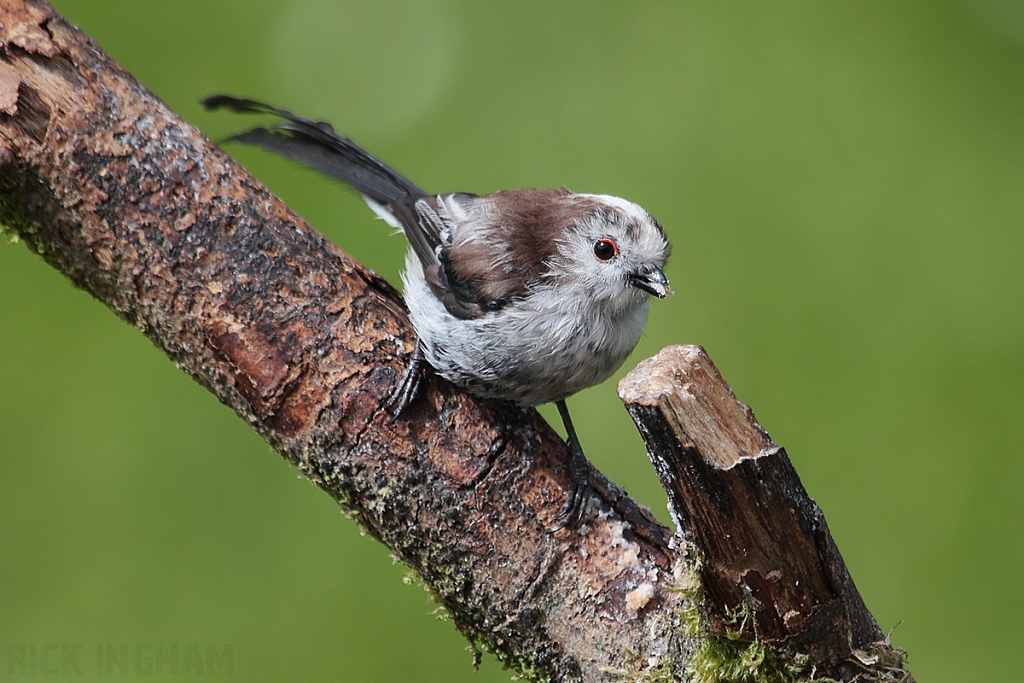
(578, 495)
(408, 385)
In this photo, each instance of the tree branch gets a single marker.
(771, 572)
(135, 206)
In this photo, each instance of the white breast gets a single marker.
(544, 348)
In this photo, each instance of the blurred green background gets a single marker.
(843, 187)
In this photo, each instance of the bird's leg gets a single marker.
(579, 477)
(408, 384)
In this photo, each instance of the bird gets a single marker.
(527, 296)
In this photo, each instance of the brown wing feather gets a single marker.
(426, 229)
(500, 264)
(482, 269)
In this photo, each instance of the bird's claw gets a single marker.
(578, 495)
(408, 385)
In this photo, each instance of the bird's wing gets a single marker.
(492, 250)
(465, 263)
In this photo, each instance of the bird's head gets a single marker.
(615, 250)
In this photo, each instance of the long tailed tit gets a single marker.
(524, 295)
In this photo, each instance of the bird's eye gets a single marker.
(605, 250)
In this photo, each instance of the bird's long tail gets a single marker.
(315, 144)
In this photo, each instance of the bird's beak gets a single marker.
(653, 282)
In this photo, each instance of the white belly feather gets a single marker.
(536, 350)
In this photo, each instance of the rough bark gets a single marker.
(132, 204)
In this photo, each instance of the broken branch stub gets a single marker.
(770, 566)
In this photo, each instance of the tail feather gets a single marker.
(315, 144)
